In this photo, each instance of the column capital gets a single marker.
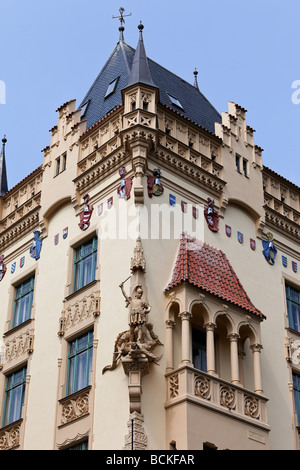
(170, 323)
(256, 347)
(185, 315)
(210, 326)
(233, 336)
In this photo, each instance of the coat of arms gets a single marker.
(125, 186)
(228, 230)
(269, 250)
(211, 216)
(86, 214)
(155, 187)
(35, 249)
(3, 267)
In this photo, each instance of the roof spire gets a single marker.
(122, 21)
(195, 80)
(3, 174)
(140, 72)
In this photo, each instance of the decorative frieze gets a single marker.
(83, 310)
(18, 346)
(10, 436)
(75, 406)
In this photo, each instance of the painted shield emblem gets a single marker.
(284, 261)
(110, 202)
(100, 208)
(228, 230)
(294, 266)
(22, 261)
(65, 232)
(252, 244)
(195, 212)
(56, 239)
(240, 237)
(184, 206)
(172, 200)
(13, 267)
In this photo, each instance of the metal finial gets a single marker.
(122, 21)
(4, 140)
(196, 81)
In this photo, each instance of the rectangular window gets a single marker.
(80, 362)
(199, 349)
(60, 164)
(81, 446)
(23, 302)
(296, 389)
(245, 167)
(238, 163)
(293, 307)
(14, 396)
(85, 262)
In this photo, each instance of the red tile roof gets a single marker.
(207, 268)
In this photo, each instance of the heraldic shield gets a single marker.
(211, 216)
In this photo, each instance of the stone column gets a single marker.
(234, 358)
(185, 337)
(169, 345)
(256, 349)
(210, 348)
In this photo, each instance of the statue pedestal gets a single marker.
(135, 369)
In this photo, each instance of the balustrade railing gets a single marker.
(208, 390)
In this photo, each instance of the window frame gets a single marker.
(199, 343)
(293, 322)
(20, 297)
(75, 352)
(9, 401)
(296, 393)
(175, 101)
(78, 263)
(111, 88)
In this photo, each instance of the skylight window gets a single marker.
(111, 87)
(84, 108)
(175, 101)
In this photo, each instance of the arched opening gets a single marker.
(223, 356)
(199, 337)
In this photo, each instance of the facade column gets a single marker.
(256, 349)
(234, 358)
(185, 337)
(169, 345)
(210, 348)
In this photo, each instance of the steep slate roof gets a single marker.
(195, 106)
(207, 268)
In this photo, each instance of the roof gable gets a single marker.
(207, 268)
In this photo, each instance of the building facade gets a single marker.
(149, 283)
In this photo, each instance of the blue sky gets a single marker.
(246, 52)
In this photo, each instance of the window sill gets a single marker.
(11, 331)
(82, 289)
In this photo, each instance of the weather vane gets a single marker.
(121, 17)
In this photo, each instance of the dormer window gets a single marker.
(84, 108)
(175, 101)
(111, 87)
